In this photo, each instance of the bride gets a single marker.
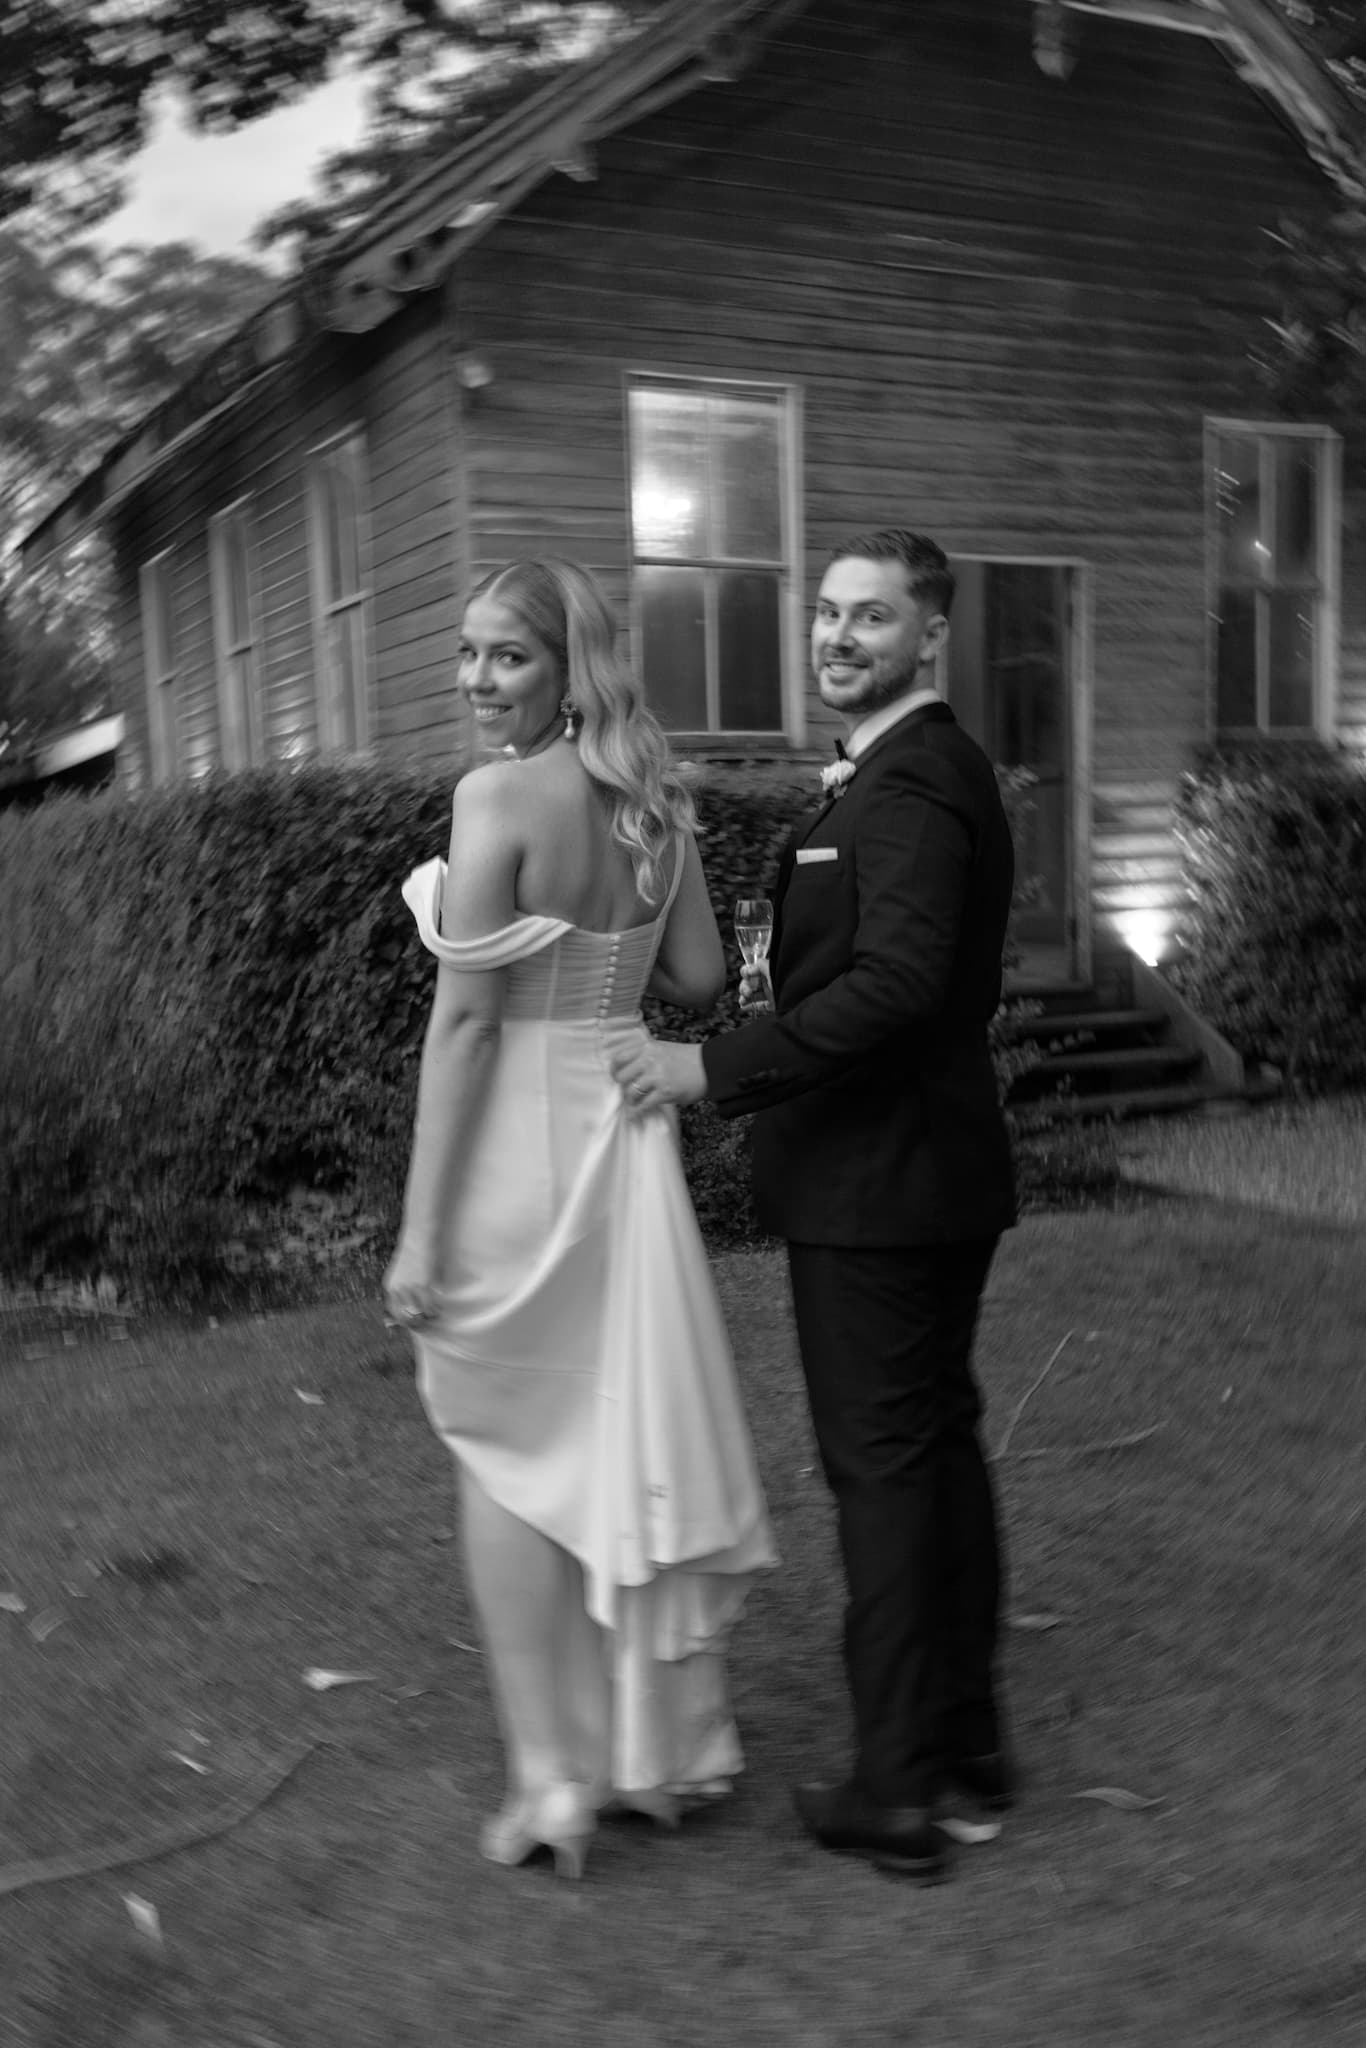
(570, 1346)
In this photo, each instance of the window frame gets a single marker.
(160, 675)
(239, 737)
(332, 736)
(791, 731)
(1328, 515)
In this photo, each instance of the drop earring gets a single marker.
(567, 713)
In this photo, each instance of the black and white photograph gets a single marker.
(682, 1023)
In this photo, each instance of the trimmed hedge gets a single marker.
(212, 1005)
(209, 996)
(1273, 942)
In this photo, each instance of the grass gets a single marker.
(1305, 1159)
(190, 1536)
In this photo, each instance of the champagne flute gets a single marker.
(754, 935)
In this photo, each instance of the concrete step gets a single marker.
(1112, 1069)
(1091, 1023)
(1148, 1059)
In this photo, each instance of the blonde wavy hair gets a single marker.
(621, 743)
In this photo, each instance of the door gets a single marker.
(1011, 672)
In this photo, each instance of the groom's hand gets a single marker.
(652, 1072)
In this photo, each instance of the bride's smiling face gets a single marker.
(511, 678)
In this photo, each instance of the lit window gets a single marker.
(159, 666)
(234, 636)
(711, 551)
(341, 594)
(1275, 507)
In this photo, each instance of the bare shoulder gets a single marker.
(483, 785)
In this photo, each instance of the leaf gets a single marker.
(189, 1762)
(10, 1603)
(145, 1918)
(1115, 1795)
(42, 1625)
(967, 1832)
(1036, 1623)
(323, 1681)
(311, 1400)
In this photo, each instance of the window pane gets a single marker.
(750, 656)
(235, 583)
(673, 637)
(668, 471)
(339, 501)
(1297, 552)
(746, 477)
(1242, 552)
(345, 674)
(165, 746)
(1292, 660)
(237, 737)
(1236, 659)
(158, 622)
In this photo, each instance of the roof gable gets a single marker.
(410, 241)
(413, 239)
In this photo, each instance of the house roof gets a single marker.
(413, 238)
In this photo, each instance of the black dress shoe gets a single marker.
(903, 1839)
(989, 1779)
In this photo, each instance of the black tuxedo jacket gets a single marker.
(878, 1121)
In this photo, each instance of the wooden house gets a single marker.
(775, 271)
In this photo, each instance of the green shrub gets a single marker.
(1273, 943)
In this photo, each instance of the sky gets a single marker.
(214, 189)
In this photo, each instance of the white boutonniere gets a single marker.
(836, 777)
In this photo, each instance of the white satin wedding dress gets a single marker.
(579, 1365)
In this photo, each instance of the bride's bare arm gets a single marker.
(462, 1036)
(691, 967)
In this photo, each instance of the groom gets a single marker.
(881, 1156)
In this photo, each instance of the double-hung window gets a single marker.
(234, 628)
(159, 665)
(711, 550)
(341, 594)
(1275, 510)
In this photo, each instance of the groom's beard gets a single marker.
(874, 690)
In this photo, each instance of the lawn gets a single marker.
(194, 1517)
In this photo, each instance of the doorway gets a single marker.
(1014, 662)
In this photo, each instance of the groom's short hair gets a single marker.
(928, 576)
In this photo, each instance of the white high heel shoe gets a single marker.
(561, 1818)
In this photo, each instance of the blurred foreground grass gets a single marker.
(193, 1516)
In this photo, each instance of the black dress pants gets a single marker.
(886, 1343)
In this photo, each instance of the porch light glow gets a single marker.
(1146, 933)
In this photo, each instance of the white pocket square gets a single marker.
(807, 853)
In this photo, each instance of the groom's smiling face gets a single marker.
(872, 640)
